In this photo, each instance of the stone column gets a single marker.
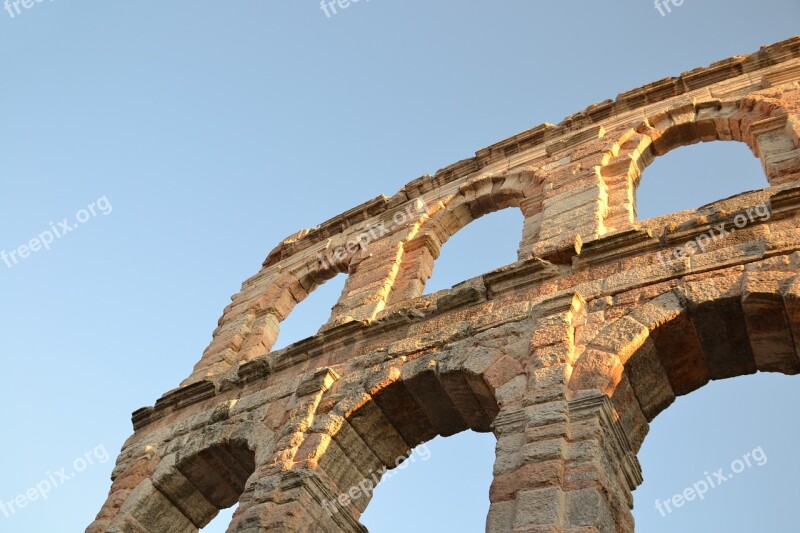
(563, 466)
(564, 463)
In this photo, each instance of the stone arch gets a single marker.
(521, 189)
(275, 305)
(250, 325)
(356, 438)
(702, 330)
(758, 121)
(188, 489)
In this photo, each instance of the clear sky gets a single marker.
(183, 140)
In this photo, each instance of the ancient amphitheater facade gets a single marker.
(565, 355)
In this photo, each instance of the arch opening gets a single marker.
(252, 323)
(520, 189)
(684, 340)
(389, 430)
(220, 472)
(311, 313)
(687, 338)
(739, 474)
(759, 126)
(710, 171)
(448, 484)
(473, 251)
(221, 522)
(188, 493)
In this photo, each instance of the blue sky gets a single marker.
(213, 131)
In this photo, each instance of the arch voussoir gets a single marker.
(649, 380)
(597, 369)
(601, 364)
(768, 323)
(791, 298)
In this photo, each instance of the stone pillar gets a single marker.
(563, 466)
(291, 501)
(291, 491)
(564, 463)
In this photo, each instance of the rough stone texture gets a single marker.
(565, 355)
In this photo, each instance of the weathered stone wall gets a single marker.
(566, 355)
